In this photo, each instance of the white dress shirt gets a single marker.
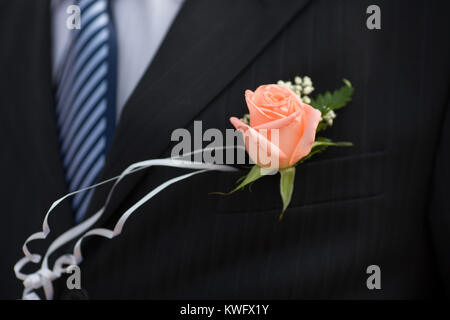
(141, 27)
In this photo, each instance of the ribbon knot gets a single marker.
(41, 278)
(33, 281)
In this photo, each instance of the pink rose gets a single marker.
(276, 107)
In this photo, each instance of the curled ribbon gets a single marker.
(44, 277)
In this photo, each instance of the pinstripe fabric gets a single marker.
(351, 207)
(86, 100)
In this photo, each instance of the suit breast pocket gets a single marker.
(316, 183)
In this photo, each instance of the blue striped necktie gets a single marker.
(85, 100)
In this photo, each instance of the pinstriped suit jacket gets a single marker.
(382, 202)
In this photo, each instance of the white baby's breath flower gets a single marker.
(306, 99)
(301, 87)
(307, 81)
(307, 90)
(329, 117)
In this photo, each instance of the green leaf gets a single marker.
(321, 126)
(254, 174)
(336, 100)
(286, 187)
(320, 145)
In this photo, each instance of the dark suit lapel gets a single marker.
(32, 98)
(210, 39)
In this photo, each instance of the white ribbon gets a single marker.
(43, 277)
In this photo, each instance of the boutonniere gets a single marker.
(280, 131)
(279, 134)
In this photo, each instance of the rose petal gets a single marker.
(259, 147)
(257, 115)
(310, 120)
(277, 124)
(274, 114)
